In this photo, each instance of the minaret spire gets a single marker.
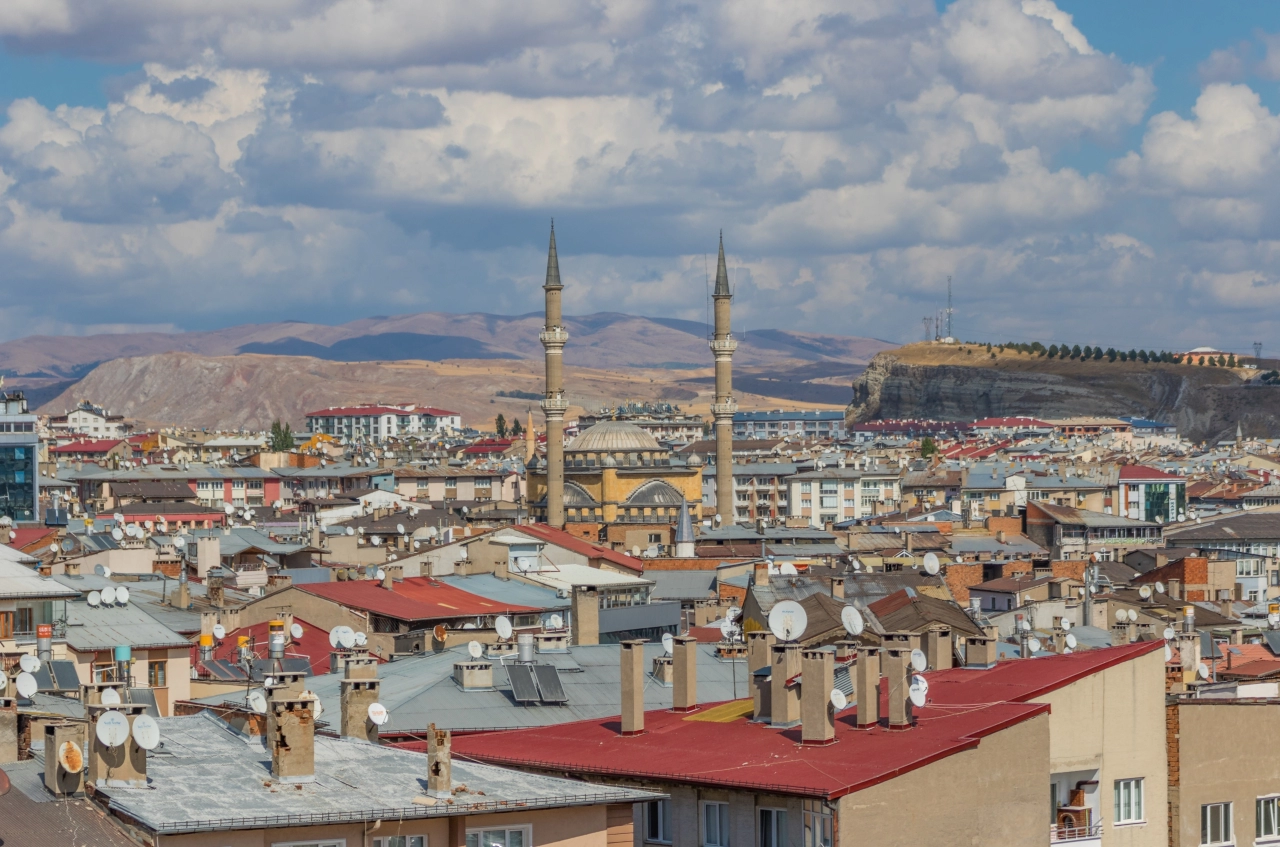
(722, 346)
(553, 338)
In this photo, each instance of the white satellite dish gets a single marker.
(180, 541)
(146, 732)
(475, 649)
(1145, 592)
(333, 637)
(1024, 625)
(931, 564)
(918, 691)
(668, 643)
(1033, 645)
(468, 626)
(1168, 653)
(919, 661)
(1067, 650)
(1169, 633)
(1121, 616)
(117, 534)
(350, 531)
(1066, 624)
(122, 595)
(1203, 671)
(1071, 641)
(788, 569)
(346, 637)
(399, 529)
(228, 508)
(296, 631)
(360, 638)
(70, 757)
(109, 595)
(379, 574)
(113, 729)
(1159, 587)
(118, 517)
(852, 620)
(1133, 616)
(54, 548)
(109, 697)
(219, 631)
(503, 626)
(94, 599)
(26, 684)
(788, 620)
(838, 700)
(375, 540)
(728, 629)
(29, 663)
(378, 714)
(258, 702)
(555, 622)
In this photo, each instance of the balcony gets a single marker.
(1083, 836)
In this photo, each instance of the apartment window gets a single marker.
(1215, 823)
(400, 841)
(657, 821)
(520, 836)
(26, 620)
(156, 674)
(817, 824)
(655, 538)
(1128, 805)
(850, 503)
(806, 504)
(806, 488)
(1248, 567)
(715, 825)
(1268, 817)
(773, 828)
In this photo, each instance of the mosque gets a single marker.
(615, 478)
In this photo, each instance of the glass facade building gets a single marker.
(19, 471)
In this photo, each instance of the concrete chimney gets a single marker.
(759, 652)
(474, 674)
(357, 696)
(938, 648)
(586, 615)
(897, 653)
(60, 781)
(183, 599)
(633, 687)
(837, 587)
(817, 717)
(439, 762)
(388, 582)
(124, 766)
(8, 729)
(846, 650)
(867, 687)
(214, 588)
(762, 573)
(292, 743)
(208, 554)
(1225, 603)
(981, 651)
(72, 567)
(1174, 587)
(784, 700)
(684, 687)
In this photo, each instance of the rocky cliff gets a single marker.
(921, 381)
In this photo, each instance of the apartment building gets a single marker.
(380, 422)
(19, 449)
(842, 493)
(760, 489)
(780, 424)
(89, 419)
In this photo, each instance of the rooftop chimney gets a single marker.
(72, 567)
(846, 650)
(183, 600)
(897, 650)
(938, 648)
(759, 648)
(439, 762)
(214, 589)
(586, 615)
(8, 729)
(60, 781)
(762, 573)
(633, 687)
(292, 743)
(981, 651)
(208, 554)
(784, 701)
(837, 587)
(1225, 602)
(357, 695)
(124, 766)
(684, 693)
(817, 716)
(1175, 589)
(867, 687)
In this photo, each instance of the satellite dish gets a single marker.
(113, 729)
(788, 569)
(728, 629)
(1033, 645)
(26, 684)
(1067, 650)
(838, 700)
(219, 631)
(122, 595)
(350, 531)
(1168, 653)
(117, 534)
(110, 697)
(1133, 616)
(118, 517)
(788, 620)
(109, 595)
(376, 540)
(668, 643)
(378, 714)
(417, 544)
(146, 732)
(852, 620)
(258, 702)
(440, 632)
(399, 529)
(346, 637)
(556, 621)
(94, 599)
(1169, 633)
(468, 626)
(54, 548)
(1145, 592)
(29, 663)
(68, 545)
(475, 649)
(1121, 616)
(1203, 671)
(503, 625)
(1071, 641)
(228, 508)
(931, 564)
(333, 637)
(1066, 624)
(70, 757)
(296, 631)
(1024, 625)
(918, 691)
(1159, 587)
(919, 661)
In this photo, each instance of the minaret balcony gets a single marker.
(723, 346)
(556, 336)
(723, 410)
(554, 405)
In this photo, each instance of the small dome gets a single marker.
(609, 462)
(612, 437)
(695, 461)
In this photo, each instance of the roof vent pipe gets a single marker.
(524, 644)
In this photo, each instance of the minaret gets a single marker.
(553, 338)
(723, 345)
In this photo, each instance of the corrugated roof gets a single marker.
(512, 592)
(412, 599)
(92, 628)
(682, 585)
(19, 581)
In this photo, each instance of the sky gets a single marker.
(1085, 171)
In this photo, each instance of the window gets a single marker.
(806, 488)
(773, 828)
(1215, 823)
(715, 825)
(1268, 817)
(655, 538)
(817, 824)
(520, 836)
(657, 821)
(26, 619)
(6, 624)
(1128, 806)
(400, 841)
(156, 674)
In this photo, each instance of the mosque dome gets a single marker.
(614, 437)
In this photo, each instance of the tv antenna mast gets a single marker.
(1257, 351)
(949, 309)
(937, 327)
(928, 327)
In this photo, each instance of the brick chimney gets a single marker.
(292, 743)
(358, 691)
(897, 653)
(867, 687)
(632, 687)
(124, 766)
(214, 588)
(439, 762)
(8, 729)
(784, 701)
(684, 691)
(938, 648)
(58, 780)
(817, 717)
(585, 610)
(837, 587)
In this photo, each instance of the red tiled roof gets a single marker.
(361, 410)
(413, 599)
(25, 536)
(101, 445)
(593, 551)
(1014, 421)
(437, 413)
(1141, 472)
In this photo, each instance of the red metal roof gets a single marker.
(313, 645)
(1132, 473)
(413, 599)
(570, 542)
(25, 536)
(101, 445)
(988, 423)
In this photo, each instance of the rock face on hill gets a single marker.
(1205, 403)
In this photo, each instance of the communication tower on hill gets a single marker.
(949, 309)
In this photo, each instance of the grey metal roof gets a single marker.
(511, 592)
(152, 594)
(1013, 545)
(19, 581)
(210, 778)
(103, 627)
(682, 585)
(420, 690)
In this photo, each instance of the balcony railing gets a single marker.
(1068, 834)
